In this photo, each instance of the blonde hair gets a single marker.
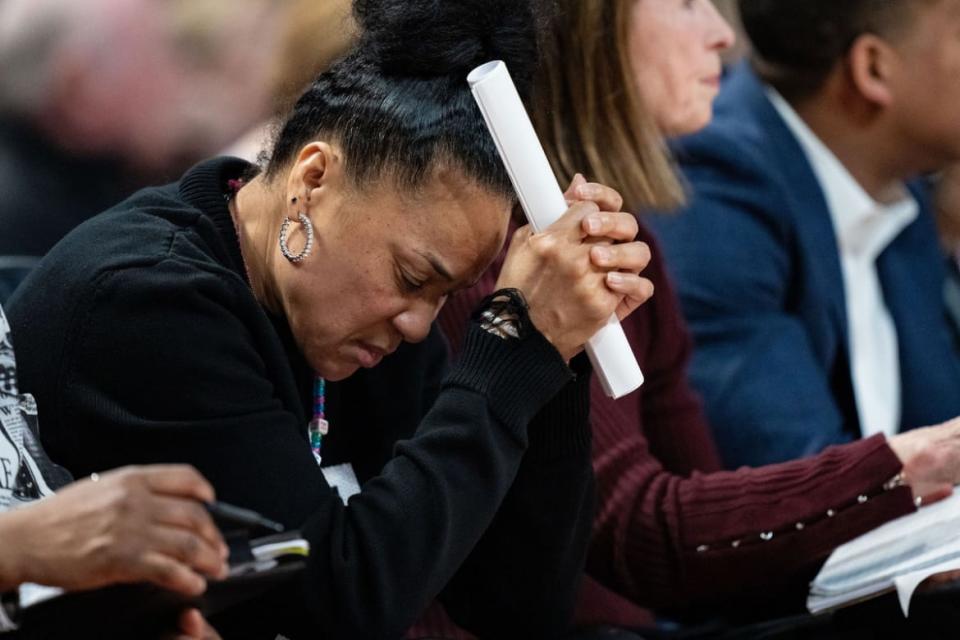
(589, 112)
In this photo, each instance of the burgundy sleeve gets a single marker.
(672, 531)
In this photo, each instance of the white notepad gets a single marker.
(898, 555)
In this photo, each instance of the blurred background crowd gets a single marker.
(103, 97)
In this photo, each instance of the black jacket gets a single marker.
(142, 342)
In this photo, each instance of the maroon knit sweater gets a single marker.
(672, 530)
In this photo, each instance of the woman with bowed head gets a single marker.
(674, 532)
(201, 321)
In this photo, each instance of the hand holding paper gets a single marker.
(544, 204)
(628, 255)
(576, 273)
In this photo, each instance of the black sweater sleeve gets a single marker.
(167, 362)
(521, 580)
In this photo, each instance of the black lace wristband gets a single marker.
(505, 314)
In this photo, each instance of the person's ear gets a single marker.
(873, 64)
(318, 171)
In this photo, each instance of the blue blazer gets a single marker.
(758, 272)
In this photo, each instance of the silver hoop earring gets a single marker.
(296, 258)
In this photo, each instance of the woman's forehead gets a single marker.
(472, 226)
(451, 239)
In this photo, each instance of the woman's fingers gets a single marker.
(633, 257)
(194, 627)
(581, 269)
(189, 515)
(168, 573)
(935, 494)
(634, 289)
(177, 480)
(931, 459)
(571, 192)
(619, 227)
(130, 525)
(571, 224)
(188, 548)
(603, 196)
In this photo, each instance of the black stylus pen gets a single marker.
(240, 516)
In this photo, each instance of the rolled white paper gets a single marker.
(543, 201)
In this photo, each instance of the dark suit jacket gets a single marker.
(758, 272)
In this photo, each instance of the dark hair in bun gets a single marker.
(439, 37)
(399, 103)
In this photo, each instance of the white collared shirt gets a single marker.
(864, 229)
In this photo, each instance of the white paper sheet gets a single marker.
(907, 584)
(898, 555)
(543, 201)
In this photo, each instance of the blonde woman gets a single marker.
(672, 530)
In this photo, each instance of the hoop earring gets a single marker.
(296, 258)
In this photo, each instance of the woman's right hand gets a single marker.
(194, 627)
(580, 270)
(931, 459)
(137, 524)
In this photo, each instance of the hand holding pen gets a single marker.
(136, 524)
